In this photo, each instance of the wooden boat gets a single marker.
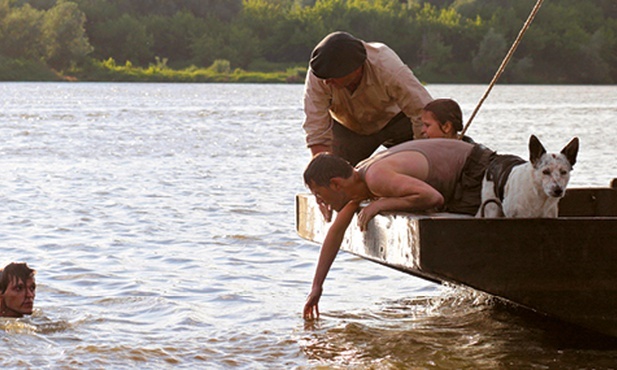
(564, 267)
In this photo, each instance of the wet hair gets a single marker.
(324, 167)
(446, 110)
(19, 270)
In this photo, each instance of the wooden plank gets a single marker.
(589, 202)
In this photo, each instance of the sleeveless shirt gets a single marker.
(446, 159)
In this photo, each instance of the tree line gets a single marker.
(455, 41)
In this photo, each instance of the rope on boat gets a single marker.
(504, 63)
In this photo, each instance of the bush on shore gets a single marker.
(26, 70)
(219, 71)
(108, 70)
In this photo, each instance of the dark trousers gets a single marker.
(355, 147)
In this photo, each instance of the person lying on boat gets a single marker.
(17, 290)
(418, 175)
(443, 118)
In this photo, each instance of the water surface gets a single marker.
(160, 218)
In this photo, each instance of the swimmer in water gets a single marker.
(17, 290)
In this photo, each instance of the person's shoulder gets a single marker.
(315, 85)
(437, 142)
(377, 47)
(467, 139)
(386, 65)
(379, 50)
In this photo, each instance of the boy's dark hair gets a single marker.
(324, 167)
(19, 270)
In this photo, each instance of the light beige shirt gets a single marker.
(387, 88)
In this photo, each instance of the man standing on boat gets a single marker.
(419, 175)
(359, 96)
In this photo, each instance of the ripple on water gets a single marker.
(160, 218)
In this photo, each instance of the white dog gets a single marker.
(513, 187)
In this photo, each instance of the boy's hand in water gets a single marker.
(311, 307)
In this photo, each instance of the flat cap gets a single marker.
(337, 55)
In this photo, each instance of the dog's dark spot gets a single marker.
(499, 169)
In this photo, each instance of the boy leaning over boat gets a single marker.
(420, 175)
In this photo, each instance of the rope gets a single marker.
(504, 63)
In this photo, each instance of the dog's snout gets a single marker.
(557, 192)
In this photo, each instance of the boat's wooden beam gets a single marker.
(589, 202)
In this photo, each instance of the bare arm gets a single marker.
(327, 254)
(398, 192)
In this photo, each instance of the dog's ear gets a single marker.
(571, 150)
(536, 149)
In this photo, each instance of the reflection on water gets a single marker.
(443, 331)
(160, 218)
(459, 328)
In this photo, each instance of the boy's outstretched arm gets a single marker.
(327, 254)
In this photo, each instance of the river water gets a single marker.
(160, 218)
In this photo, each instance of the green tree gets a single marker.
(596, 68)
(609, 54)
(20, 33)
(98, 11)
(66, 42)
(123, 39)
(244, 44)
(172, 36)
(36, 4)
(234, 43)
(263, 18)
(492, 50)
(442, 40)
(224, 10)
(211, 45)
(4, 9)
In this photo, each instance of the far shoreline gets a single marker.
(219, 72)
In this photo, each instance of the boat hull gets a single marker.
(563, 267)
